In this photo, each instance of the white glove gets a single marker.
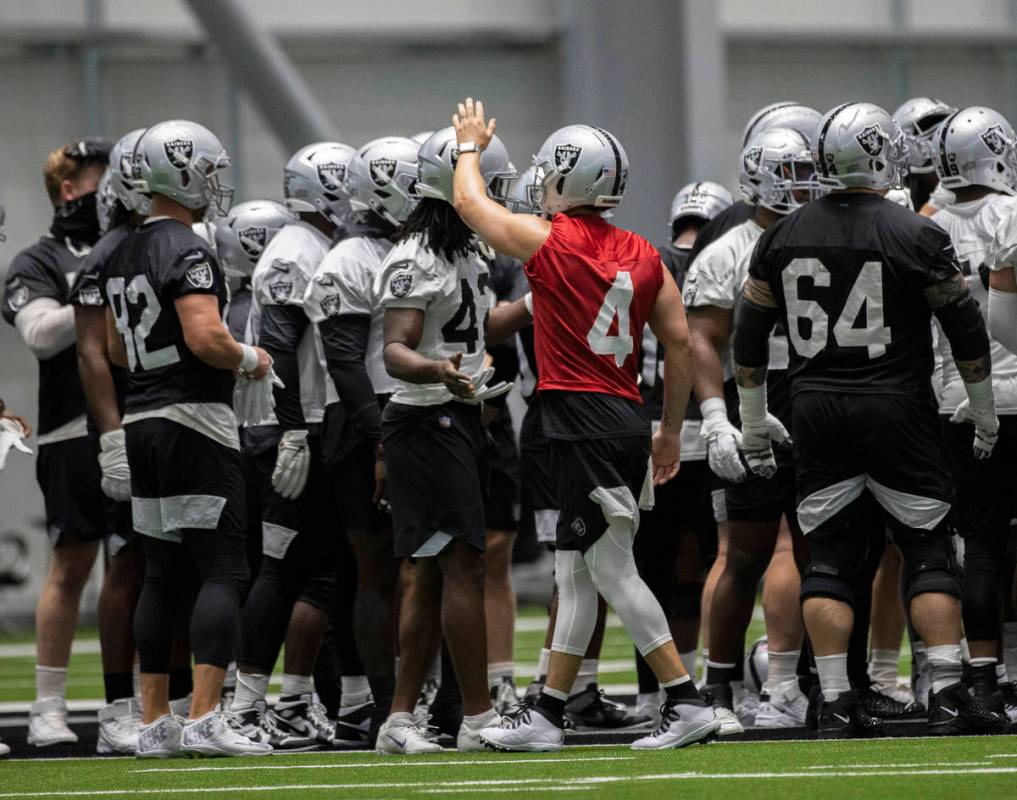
(292, 464)
(722, 440)
(11, 435)
(759, 430)
(483, 392)
(253, 401)
(116, 473)
(980, 409)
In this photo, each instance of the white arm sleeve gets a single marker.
(46, 326)
(1002, 318)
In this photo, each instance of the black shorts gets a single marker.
(352, 482)
(539, 506)
(501, 478)
(182, 479)
(762, 499)
(68, 474)
(683, 502)
(582, 466)
(433, 455)
(889, 445)
(986, 489)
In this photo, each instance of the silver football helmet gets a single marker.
(579, 165)
(519, 198)
(976, 147)
(777, 171)
(381, 178)
(436, 164)
(859, 144)
(313, 181)
(121, 174)
(785, 114)
(422, 137)
(919, 118)
(242, 235)
(704, 199)
(105, 201)
(182, 160)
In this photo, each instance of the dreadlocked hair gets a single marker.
(440, 228)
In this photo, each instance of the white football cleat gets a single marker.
(528, 731)
(400, 735)
(300, 715)
(160, 739)
(683, 724)
(469, 738)
(118, 728)
(785, 708)
(746, 709)
(729, 722)
(47, 723)
(214, 735)
(5, 750)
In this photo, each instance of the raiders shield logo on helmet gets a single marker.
(280, 291)
(330, 305)
(127, 165)
(751, 159)
(331, 175)
(400, 285)
(566, 156)
(200, 275)
(382, 170)
(995, 139)
(252, 240)
(179, 152)
(871, 140)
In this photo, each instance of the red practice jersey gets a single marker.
(594, 286)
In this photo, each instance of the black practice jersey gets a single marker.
(849, 272)
(48, 268)
(162, 261)
(729, 218)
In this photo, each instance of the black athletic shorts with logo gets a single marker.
(539, 505)
(182, 479)
(433, 459)
(986, 488)
(68, 474)
(501, 474)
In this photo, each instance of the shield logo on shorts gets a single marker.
(330, 305)
(871, 140)
(566, 156)
(995, 139)
(578, 526)
(280, 291)
(382, 170)
(179, 152)
(252, 240)
(445, 421)
(331, 175)
(400, 285)
(200, 275)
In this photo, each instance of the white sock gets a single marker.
(883, 666)
(478, 721)
(649, 699)
(781, 668)
(1010, 647)
(50, 682)
(296, 685)
(833, 677)
(945, 666)
(689, 662)
(587, 674)
(499, 670)
(554, 693)
(250, 689)
(230, 681)
(982, 662)
(355, 690)
(543, 664)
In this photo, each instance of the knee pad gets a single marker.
(930, 564)
(685, 600)
(835, 556)
(577, 604)
(318, 592)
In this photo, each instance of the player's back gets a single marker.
(849, 272)
(160, 262)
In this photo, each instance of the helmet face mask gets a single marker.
(976, 146)
(777, 171)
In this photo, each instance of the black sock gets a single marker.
(686, 690)
(719, 674)
(553, 707)
(118, 685)
(382, 689)
(181, 683)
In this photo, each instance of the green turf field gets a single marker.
(921, 768)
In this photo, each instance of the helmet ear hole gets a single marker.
(185, 179)
(559, 187)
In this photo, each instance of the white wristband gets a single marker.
(752, 404)
(981, 396)
(713, 408)
(528, 302)
(249, 360)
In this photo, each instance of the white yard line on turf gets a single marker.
(901, 766)
(388, 763)
(1003, 755)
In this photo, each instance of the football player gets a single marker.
(864, 417)
(165, 293)
(342, 302)
(435, 289)
(299, 535)
(976, 162)
(36, 295)
(670, 555)
(776, 176)
(919, 118)
(584, 274)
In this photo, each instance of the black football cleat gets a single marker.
(844, 718)
(953, 711)
(885, 708)
(591, 709)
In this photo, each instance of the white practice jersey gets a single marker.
(973, 228)
(346, 283)
(281, 278)
(717, 277)
(455, 298)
